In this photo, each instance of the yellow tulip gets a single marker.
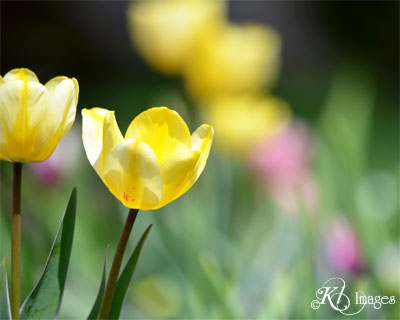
(34, 117)
(234, 59)
(242, 121)
(156, 162)
(165, 31)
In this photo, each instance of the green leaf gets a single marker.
(5, 309)
(44, 301)
(125, 278)
(97, 304)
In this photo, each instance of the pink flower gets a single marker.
(282, 164)
(61, 163)
(341, 246)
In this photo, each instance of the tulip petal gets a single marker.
(92, 132)
(52, 84)
(111, 137)
(22, 107)
(65, 98)
(163, 130)
(59, 117)
(177, 174)
(3, 149)
(22, 102)
(182, 170)
(202, 140)
(21, 74)
(70, 108)
(132, 174)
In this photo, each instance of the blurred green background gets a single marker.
(234, 246)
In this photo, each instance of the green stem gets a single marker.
(16, 242)
(116, 265)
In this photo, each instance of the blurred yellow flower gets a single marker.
(156, 162)
(234, 59)
(34, 117)
(242, 121)
(164, 31)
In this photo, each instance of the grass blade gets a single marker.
(96, 306)
(126, 277)
(5, 308)
(44, 301)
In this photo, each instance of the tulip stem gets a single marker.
(116, 265)
(16, 241)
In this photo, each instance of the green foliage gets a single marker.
(346, 119)
(97, 304)
(125, 278)
(45, 300)
(5, 309)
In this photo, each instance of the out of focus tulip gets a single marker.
(61, 163)
(341, 246)
(282, 164)
(156, 162)
(242, 121)
(34, 117)
(165, 31)
(284, 158)
(234, 59)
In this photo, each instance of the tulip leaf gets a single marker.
(97, 304)
(44, 301)
(5, 309)
(126, 277)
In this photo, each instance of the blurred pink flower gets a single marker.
(61, 163)
(283, 165)
(341, 246)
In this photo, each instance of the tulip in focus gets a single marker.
(283, 165)
(341, 246)
(156, 162)
(165, 31)
(34, 117)
(234, 59)
(242, 121)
